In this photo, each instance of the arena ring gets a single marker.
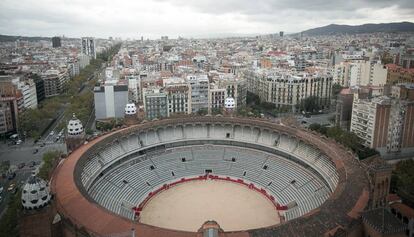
(324, 169)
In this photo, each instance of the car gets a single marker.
(35, 151)
(11, 187)
(60, 134)
(52, 133)
(11, 175)
(21, 165)
(43, 144)
(32, 164)
(1, 189)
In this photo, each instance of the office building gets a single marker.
(56, 42)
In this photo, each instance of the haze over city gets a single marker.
(203, 18)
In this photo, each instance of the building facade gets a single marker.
(155, 103)
(384, 124)
(110, 100)
(286, 89)
(54, 81)
(89, 47)
(56, 42)
(199, 91)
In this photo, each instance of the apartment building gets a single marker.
(235, 86)
(8, 107)
(384, 123)
(155, 103)
(289, 89)
(199, 84)
(28, 89)
(54, 81)
(397, 74)
(360, 73)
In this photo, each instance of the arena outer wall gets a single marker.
(340, 212)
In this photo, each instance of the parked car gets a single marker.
(11, 187)
(21, 165)
(32, 164)
(11, 175)
(35, 151)
(1, 189)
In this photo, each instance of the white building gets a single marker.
(89, 47)
(289, 89)
(110, 100)
(28, 89)
(360, 73)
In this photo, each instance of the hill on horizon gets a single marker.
(334, 29)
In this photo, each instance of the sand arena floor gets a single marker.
(188, 205)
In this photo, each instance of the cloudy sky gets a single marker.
(153, 18)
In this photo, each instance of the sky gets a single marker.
(190, 18)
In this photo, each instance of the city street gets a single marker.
(24, 153)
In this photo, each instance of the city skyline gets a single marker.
(152, 19)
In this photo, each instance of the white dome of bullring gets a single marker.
(75, 126)
(130, 109)
(35, 193)
(229, 103)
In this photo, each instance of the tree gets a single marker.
(49, 160)
(202, 112)
(215, 111)
(336, 89)
(9, 222)
(252, 99)
(403, 178)
(311, 104)
(348, 139)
